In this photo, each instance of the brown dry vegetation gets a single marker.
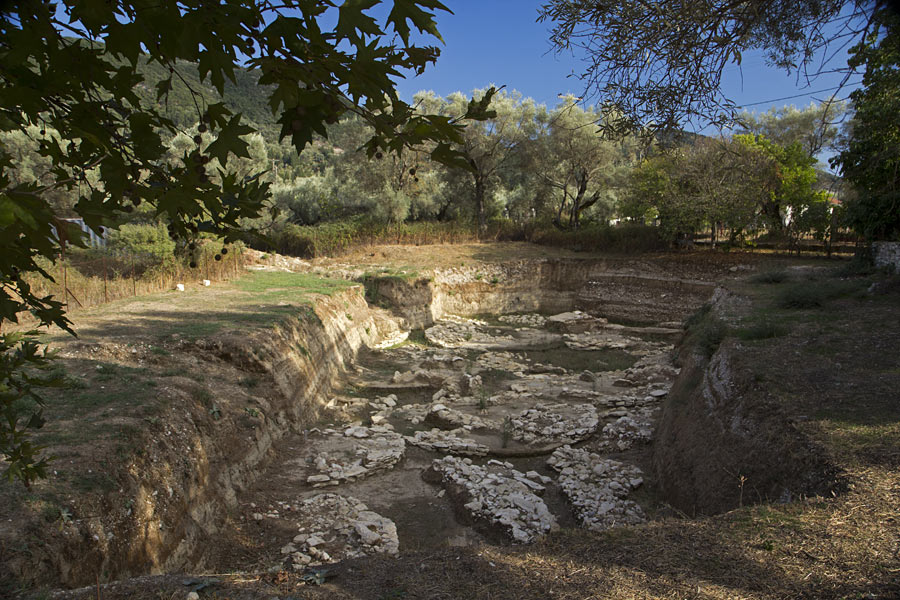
(832, 368)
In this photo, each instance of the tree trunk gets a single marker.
(576, 203)
(479, 204)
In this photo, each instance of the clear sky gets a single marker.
(500, 42)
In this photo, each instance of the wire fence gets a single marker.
(85, 279)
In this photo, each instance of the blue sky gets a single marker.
(499, 42)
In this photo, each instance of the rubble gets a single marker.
(451, 442)
(443, 417)
(334, 527)
(498, 494)
(501, 361)
(597, 488)
(528, 320)
(624, 432)
(574, 322)
(452, 332)
(652, 369)
(392, 339)
(565, 423)
(373, 449)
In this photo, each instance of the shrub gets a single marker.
(338, 237)
(708, 335)
(705, 331)
(625, 238)
(147, 240)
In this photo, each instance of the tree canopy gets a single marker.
(662, 62)
(871, 159)
(816, 127)
(70, 86)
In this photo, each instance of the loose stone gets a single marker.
(334, 528)
(497, 494)
(597, 488)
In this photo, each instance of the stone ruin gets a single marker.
(473, 402)
(334, 528)
(499, 495)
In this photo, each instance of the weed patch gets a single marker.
(814, 294)
(762, 330)
(276, 287)
(705, 331)
(775, 276)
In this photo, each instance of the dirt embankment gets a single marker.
(165, 500)
(723, 440)
(620, 290)
(727, 438)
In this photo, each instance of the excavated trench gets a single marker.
(475, 435)
(525, 401)
(497, 424)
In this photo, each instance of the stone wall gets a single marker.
(886, 253)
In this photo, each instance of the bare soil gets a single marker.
(835, 371)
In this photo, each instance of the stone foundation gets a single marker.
(886, 253)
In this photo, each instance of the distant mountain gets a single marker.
(245, 95)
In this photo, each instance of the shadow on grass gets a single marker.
(192, 325)
(661, 560)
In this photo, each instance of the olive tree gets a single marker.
(488, 146)
(815, 127)
(579, 161)
(661, 62)
(71, 67)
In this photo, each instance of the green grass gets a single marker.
(775, 276)
(816, 293)
(276, 287)
(762, 330)
(402, 272)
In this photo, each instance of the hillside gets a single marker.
(244, 95)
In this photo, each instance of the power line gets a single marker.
(837, 87)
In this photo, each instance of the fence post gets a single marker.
(65, 286)
(133, 281)
(105, 287)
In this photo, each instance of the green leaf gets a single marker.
(352, 21)
(229, 141)
(446, 155)
(409, 10)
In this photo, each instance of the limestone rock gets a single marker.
(547, 423)
(355, 453)
(333, 528)
(447, 442)
(497, 494)
(597, 488)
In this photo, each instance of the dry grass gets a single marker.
(817, 549)
(836, 367)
